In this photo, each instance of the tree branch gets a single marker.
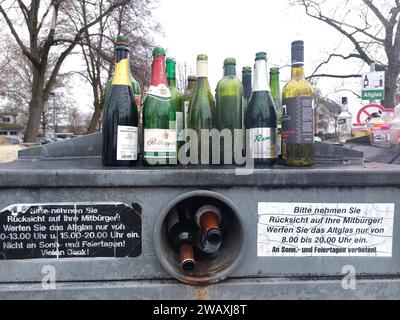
(334, 76)
(24, 49)
(64, 54)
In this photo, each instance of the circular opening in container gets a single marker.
(207, 268)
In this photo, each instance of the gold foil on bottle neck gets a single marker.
(122, 74)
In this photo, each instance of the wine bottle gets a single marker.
(202, 112)
(260, 119)
(177, 101)
(159, 117)
(181, 235)
(345, 122)
(120, 118)
(208, 219)
(229, 96)
(297, 119)
(277, 96)
(192, 80)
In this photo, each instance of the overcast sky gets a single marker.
(237, 28)
(223, 28)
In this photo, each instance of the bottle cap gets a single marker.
(122, 43)
(123, 39)
(298, 53)
(192, 78)
(171, 63)
(247, 70)
(344, 100)
(274, 71)
(261, 56)
(230, 62)
(202, 57)
(158, 52)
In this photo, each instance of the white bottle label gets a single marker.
(179, 126)
(160, 91)
(263, 143)
(160, 143)
(127, 143)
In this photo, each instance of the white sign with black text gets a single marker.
(325, 230)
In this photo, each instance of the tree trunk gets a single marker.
(390, 87)
(36, 106)
(93, 127)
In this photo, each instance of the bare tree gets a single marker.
(372, 29)
(33, 17)
(133, 19)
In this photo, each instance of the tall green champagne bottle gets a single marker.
(229, 96)
(120, 118)
(277, 96)
(202, 112)
(177, 101)
(260, 119)
(247, 86)
(159, 117)
(297, 119)
(192, 80)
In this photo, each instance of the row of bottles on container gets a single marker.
(276, 128)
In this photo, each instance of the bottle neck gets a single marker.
(298, 72)
(191, 85)
(260, 76)
(172, 83)
(274, 83)
(202, 69)
(158, 72)
(122, 73)
(229, 70)
(345, 108)
(247, 85)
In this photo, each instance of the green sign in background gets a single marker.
(373, 95)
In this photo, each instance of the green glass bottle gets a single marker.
(202, 112)
(191, 85)
(229, 96)
(120, 119)
(177, 101)
(274, 83)
(297, 119)
(260, 119)
(247, 87)
(159, 117)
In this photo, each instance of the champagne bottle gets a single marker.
(159, 117)
(202, 112)
(229, 96)
(177, 101)
(277, 96)
(192, 80)
(181, 235)
(208, 219)
(136, 94)
(260, 119)
(297, 119)
(345, 122)
(120, 118)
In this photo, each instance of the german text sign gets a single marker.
(39, 231)
(325, 230)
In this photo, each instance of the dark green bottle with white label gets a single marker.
(229, 96)
(261, 119)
